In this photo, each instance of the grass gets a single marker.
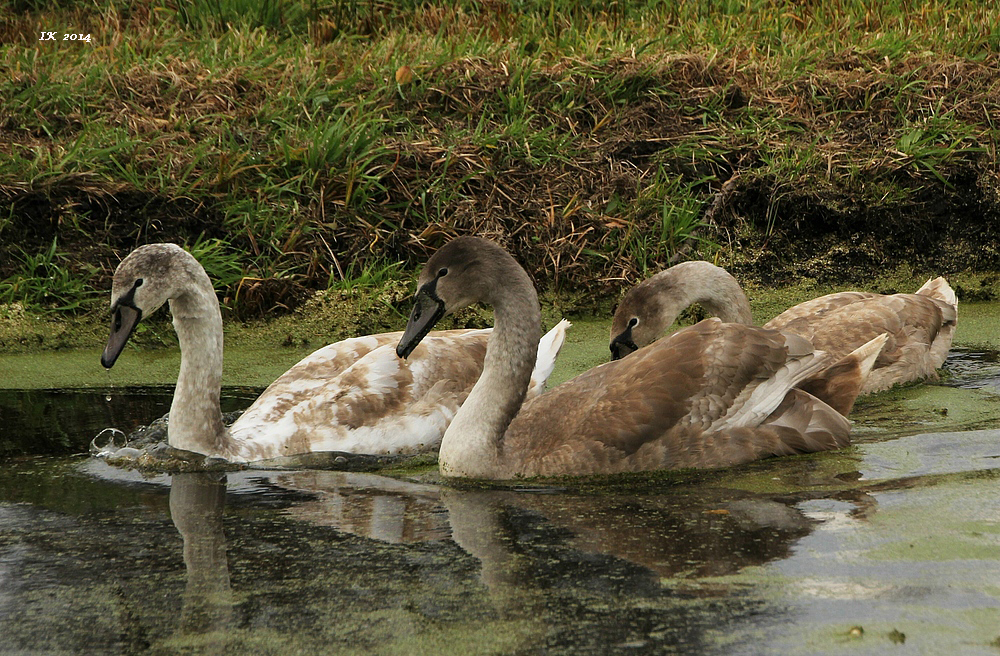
(43, 284)
(299, 145)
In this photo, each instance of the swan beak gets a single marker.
(623, 344)
(427, 311)
(124, 319)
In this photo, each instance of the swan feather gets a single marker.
(353, 396)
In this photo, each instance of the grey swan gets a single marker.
(353, 396)
(711, 395)
(920, 326)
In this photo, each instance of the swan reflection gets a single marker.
(196, 504)
(689, 535)
(669, 535)
(524, 558)
(371, 506)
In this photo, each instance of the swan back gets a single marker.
(919, 329)
(710, 395)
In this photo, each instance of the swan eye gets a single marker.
(633, 322)
(138, 283)
(442, 272)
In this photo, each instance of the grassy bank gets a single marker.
(300, 146)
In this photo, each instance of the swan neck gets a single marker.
(701, 282)
(195, 414)
(472, 446)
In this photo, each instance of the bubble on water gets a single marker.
(108, 397)
(107, 442)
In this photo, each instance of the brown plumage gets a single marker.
(688, 401)
(919, 326)
(711, 395)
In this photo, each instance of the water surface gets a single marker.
(890, 545)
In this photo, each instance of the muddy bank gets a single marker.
(767, 230)
(833, 171)
(331, 315)
(784, 232)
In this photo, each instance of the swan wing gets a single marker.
(703, 397)
(358, 396)
(813, 309)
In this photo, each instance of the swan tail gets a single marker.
(800, 424)
(805, 424)
(839, 384)
(807, 421)
(548, 348)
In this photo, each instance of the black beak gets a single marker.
(623, 344)
(427, 311)
(124, 319)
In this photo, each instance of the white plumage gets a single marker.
(354, 396)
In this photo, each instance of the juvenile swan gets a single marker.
(353, 396)
(920, 326)
(712, 395)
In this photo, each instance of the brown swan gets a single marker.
(920, 326)
(711, 395)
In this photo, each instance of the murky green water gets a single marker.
(890, 545)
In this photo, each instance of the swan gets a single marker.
(712, 395)
(920, 326)
(353, 396)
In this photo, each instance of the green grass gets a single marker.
(43, 284)
(276, 136)
(217, 16)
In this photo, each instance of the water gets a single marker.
(892, 544)
(52, 421)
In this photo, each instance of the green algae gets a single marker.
(249, 367)
(336, 314)
(895, 534)
(977, 326)
(924, 408)
(966, 528)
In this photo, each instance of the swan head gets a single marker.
(465, 271)
(145, 280)
(649, 308)
(635, 322)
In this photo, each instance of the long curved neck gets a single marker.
(713, 287)
(472, 446)
(195, 414)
